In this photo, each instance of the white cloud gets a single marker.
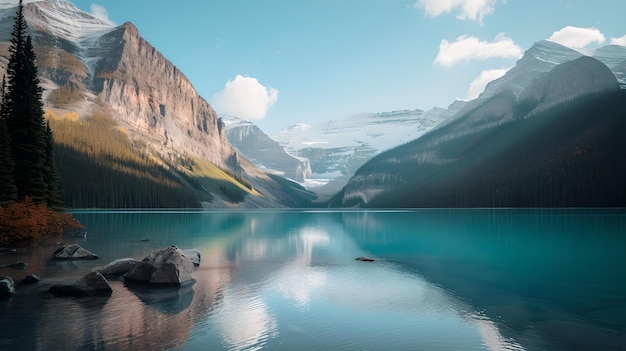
(619, 41)
(478, 85)
(245, 97)
(473, 10)
(466, 48)
(577, 38)
(100, 12)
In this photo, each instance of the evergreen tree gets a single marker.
(53, 195)
(8, 190)
(25, 122)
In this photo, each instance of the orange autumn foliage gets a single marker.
(29, 221)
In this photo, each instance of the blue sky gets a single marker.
(281, 62)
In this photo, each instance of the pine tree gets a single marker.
(53, 195)
(29, 137)
(8, 190)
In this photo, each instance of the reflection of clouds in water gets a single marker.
(245, 322)
(491, 335)
(256, 248)
(297, 280)
(306, 239)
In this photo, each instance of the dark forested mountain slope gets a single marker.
(561, 145)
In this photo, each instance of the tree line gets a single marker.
(101, 167)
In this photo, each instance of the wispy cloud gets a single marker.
(474, 10)
(478, 85)
(245, 97)
(619, 41)
(467, 48)
(576, 37)
(101, 13)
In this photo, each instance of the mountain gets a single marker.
(541, 58)
(557, 142)
(336, 149)
(263, 151)
(88, 66)
(614, 56)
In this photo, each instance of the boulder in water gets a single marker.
(119, 267)
(73, 252)
(169, 266)
(92, 284)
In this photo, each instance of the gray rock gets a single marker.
(7, 287)
(194, 255)
(31, 279)
(92, 284)
(169, 266)
(119, 267)
(73, 252)
(141, 274)
(364, 259)
(95, 283)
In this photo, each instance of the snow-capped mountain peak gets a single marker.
(64, 20)
(551, 52)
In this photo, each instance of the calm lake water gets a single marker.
(287, 280)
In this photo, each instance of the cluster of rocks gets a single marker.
(170, 266)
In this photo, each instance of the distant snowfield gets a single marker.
(377, 131)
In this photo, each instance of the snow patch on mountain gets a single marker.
(379, 131)
(66, 21)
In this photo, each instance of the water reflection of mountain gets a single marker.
(549, 279)
(131, 319)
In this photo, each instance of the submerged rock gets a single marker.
(31, 279)
(364, 259)
(92, 284)
(80, 234)
(73, 252)
(169, 266)
(19, 265)
(7, 287)
(119, 267)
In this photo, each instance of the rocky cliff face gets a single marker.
(113, 66)
(264, 152)
(155, 99)
(94, 65)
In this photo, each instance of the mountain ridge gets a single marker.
(500, 162)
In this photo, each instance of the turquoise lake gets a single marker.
(288, 280)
